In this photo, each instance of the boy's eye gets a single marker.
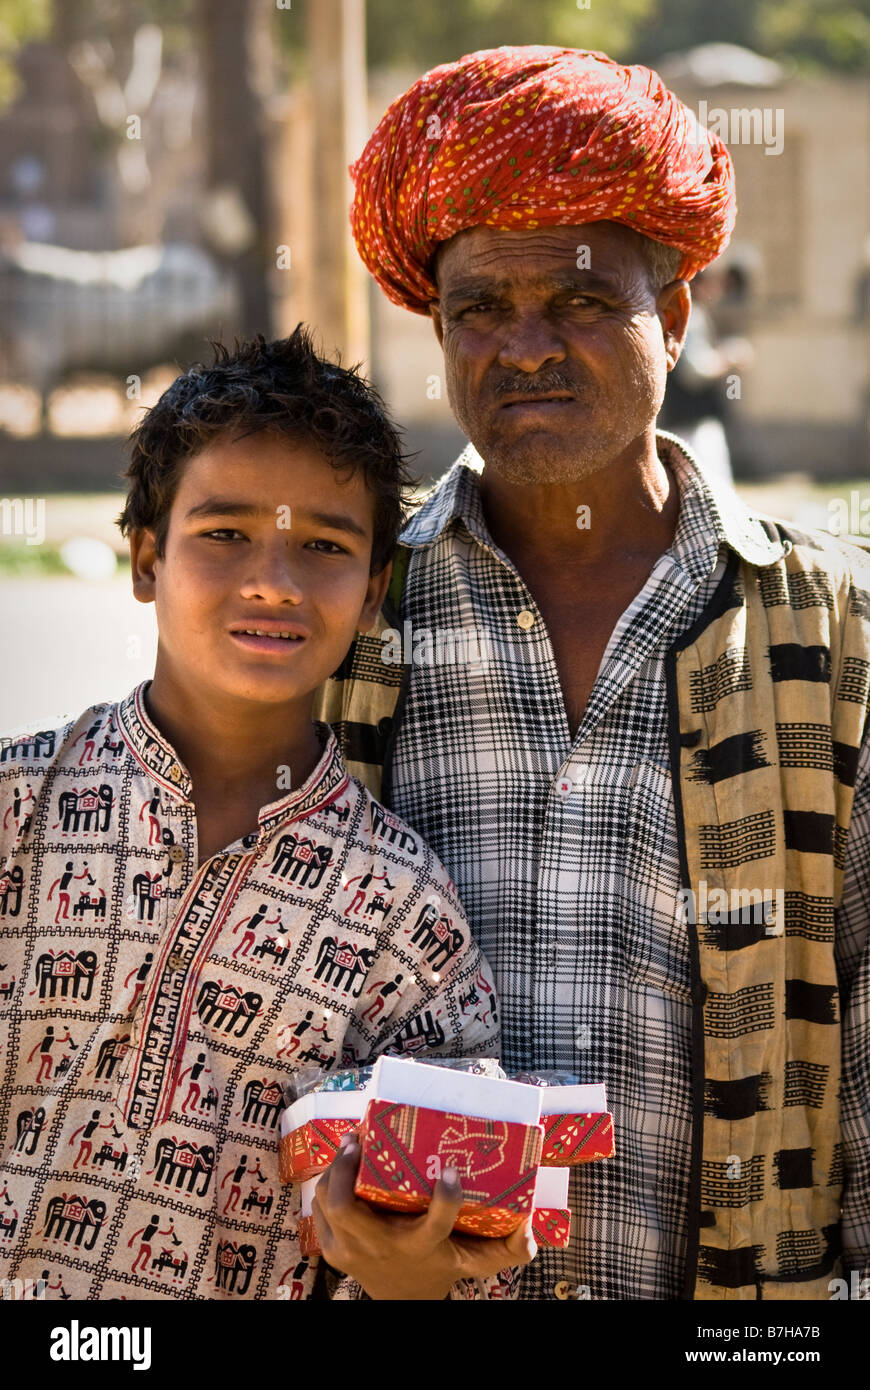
(334, 549)
(222, 533)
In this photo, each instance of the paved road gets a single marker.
(68, 643)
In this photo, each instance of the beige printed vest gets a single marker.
(767, 699)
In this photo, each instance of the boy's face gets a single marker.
(263, 534)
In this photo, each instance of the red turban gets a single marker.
(535, 137)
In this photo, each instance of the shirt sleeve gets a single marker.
(447, 1008)
(852, 938)
(444, 1003)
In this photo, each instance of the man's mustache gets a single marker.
(541, 383)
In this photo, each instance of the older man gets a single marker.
(654, 791)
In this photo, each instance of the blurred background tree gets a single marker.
(21, 21)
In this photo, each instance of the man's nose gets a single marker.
(531, 342)
(274, 574)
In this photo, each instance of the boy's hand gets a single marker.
(397, 1256)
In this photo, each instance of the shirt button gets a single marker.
(525, 619)
(175, 962)
(564, 1290)
(176, 854)
(564, 787)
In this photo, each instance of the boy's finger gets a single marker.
(443, 1208)
(335, 1188)
(521, 1245)
(483, 1257)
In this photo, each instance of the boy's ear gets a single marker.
(143, 554)
(375, 595)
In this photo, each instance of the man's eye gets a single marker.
(334, 549)
(222, 533)
(482, 306)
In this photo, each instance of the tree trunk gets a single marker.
(234, 40)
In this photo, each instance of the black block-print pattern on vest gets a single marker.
(740, 930)
(805, 1084)
(723, 1186)
(731, 1269)
(809, 590)
(854, 680)
(737, 1100)
(737, 841)
(805, 745)
(811, 832)
(730, 757)
(841, 837)
(707, 1219)
(836, 1175)
(810, 917)
(727, 675)
(859, 602)
(746, 1011)
(794, 1167)
(789, 661)
(799, 1251)
(814, 1003)
(846, 763)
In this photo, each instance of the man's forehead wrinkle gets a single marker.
(559, 279)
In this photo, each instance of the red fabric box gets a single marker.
(551, 1219)
(312, 1130)
(406, 1145)
(551, 1226)
(308, 1242)
(577, 1125)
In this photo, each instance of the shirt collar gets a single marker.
(710, 515)
(159, 759)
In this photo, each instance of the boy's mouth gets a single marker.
(272, 638)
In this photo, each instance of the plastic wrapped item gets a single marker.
(310, 1079)
(546, 1077)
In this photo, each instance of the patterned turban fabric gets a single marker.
(535, 137)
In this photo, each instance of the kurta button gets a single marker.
(176, 961)
(175, 773)
(525, 619)
(385, 726)
(176, 854)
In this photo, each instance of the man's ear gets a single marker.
(674, 307)
(143, 556)
(435, 313)
(375, 595)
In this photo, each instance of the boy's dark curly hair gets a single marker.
(283, 386)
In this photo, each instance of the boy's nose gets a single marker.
(273, 578)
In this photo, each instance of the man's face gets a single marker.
(263, 534)
(554, 369)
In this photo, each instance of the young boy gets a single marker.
(196, 899)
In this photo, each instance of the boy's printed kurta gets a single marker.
(150, 1011)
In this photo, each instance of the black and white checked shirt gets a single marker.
(565, 856)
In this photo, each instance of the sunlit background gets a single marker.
(175, 170)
